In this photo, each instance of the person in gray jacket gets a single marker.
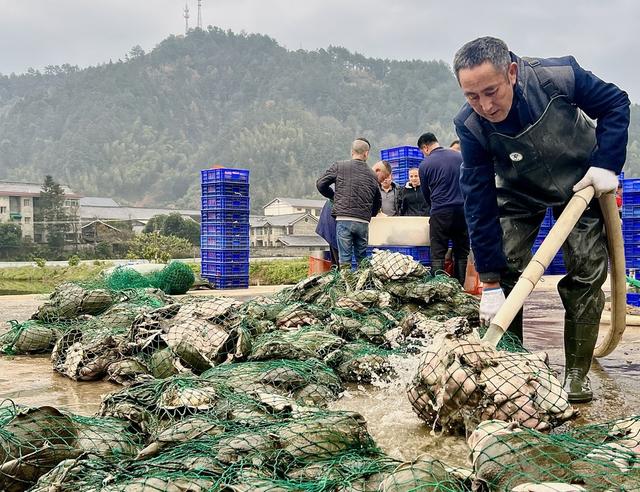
(355, 200)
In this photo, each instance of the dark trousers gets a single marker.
(449, 225)
(585, 257)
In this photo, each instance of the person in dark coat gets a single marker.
(355, 200)
(412, 198)
(326, 229)
(528, 143)
(440, 182)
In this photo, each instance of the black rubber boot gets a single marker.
(460, 270)
(579, 342)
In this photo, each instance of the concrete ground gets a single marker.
(30, 380)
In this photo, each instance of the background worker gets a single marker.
(527, 145)
(389, 191)
(455, 145)
(355, 199)
(326, 229)
(440, 182)
(412, 199)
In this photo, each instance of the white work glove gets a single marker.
(490, 302)
(602, 180)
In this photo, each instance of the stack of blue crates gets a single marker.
(631, 222)
(631, 230)
(224, 232)
(557, 265)
(401, 160)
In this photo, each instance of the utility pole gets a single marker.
(186, 18)
(199, 14)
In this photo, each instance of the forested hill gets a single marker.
(139, 130)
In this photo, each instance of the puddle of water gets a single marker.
(30, 380)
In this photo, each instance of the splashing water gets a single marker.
(391, 419)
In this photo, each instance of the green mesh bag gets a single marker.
(597, 457)
(33, 441)
(175, 278)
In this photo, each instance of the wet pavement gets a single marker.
(391, 420)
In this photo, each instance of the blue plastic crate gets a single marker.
(224, 229)
(225, 174)
(630, 224)
(209, 268)
(630, 198)
(227, 216)
(231, 282)
(405, 163)
(632, 261)
(633, 299)
(225, 256)
(631, 250)
(224, 242)
(630, 237)
(631, 185)
(631, 212)
(225, 189)
(225, 202)
(400, 178)
(398, 152)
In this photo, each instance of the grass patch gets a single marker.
(36, 280)
(277, 272)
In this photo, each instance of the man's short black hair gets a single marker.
(427, 139)
(364, 140)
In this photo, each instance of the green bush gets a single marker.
(104, 250)
(157, 248)
(74, 261)
(41, 262)
(276, 272)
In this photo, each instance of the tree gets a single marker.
(157, 248)
(155, 223)
(10, 235)
(55, 220)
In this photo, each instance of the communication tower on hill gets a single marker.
(199, 14)
(186, 18)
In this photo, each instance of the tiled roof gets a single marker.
(303, 241)
(130, 213)
(278, 220)
(299, 202)
(15, 188)
(98, 201)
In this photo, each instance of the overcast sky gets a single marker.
(602, 35)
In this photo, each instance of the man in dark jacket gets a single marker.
(440, 183)
(526, 146)
(355, 200)
(412, 199)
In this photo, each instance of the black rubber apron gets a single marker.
(536, 170)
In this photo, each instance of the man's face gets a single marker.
(414, 178)
(381, 172)
(489, 91)
(386, 182)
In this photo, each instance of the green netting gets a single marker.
(597, 457)
(462, 381)
(174, 278)
(34, 440)
(225, 395)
